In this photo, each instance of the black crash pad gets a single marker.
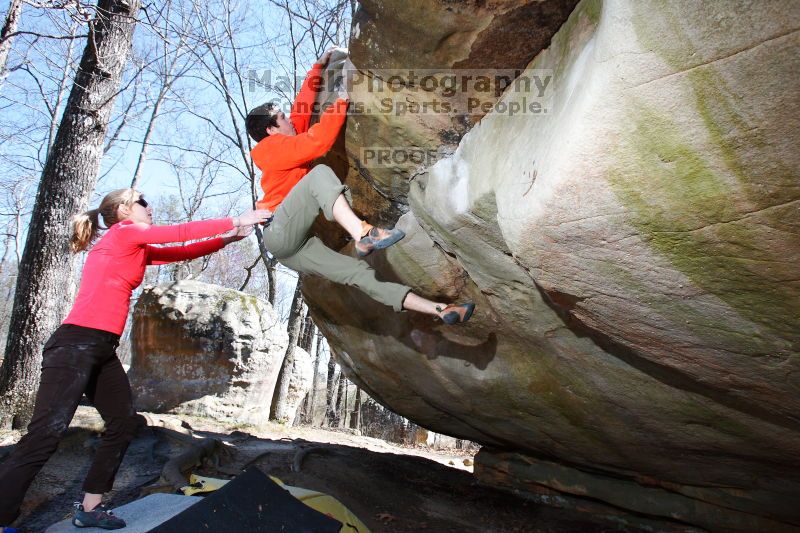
(251, 503)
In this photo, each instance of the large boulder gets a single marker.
(206, 350)
(633, 251)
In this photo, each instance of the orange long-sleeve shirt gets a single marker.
(285, 159)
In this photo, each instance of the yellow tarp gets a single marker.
(199, 485)
(318, 501)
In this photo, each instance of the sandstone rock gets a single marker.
(437, 441)
(206, 350)
(447, 35)
(633, 253)
(300, 382)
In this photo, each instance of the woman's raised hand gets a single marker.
(254, 216)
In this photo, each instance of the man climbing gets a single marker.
(295, 192)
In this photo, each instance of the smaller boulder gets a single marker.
(205, 350)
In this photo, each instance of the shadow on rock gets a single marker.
(435, 345)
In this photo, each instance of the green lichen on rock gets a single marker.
(680, 314)
(728, 105)
(705, 199)
(723, 112)
(694, 216)
(247, 303)
(593, 9)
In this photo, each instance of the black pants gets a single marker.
(76, 360)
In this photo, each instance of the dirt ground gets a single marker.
(390, 488)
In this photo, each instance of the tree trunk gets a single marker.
(355, 416)
(330, 389)
(340, 408)
(69, 176)
(309, 330)
(343, 406)
(278, 409)
(309, 397)
(9, 27)
(269, 263)
(313, 398)
(301, 334)
(272, 289)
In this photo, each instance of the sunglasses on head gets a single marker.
(141, 201)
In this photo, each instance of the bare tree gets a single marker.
(330, 391)
(33, 105)
(68, 178)
(355, 415)
(306, 341)
(55, 12)
(311, 403)
(6, 33)
(213, 40)
(307, 332)
(173, 61)
(14, 202)
(341, 402)
(278, 407)
(56, 103)
(311, 27)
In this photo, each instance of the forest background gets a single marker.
(175, 132)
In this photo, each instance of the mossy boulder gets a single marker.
(203, 349)
(632, 247)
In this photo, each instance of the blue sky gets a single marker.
(195, 117)
(261, 43)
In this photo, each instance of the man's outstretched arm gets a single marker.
(296, 150)
(304, 102)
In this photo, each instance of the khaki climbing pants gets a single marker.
(287, 239)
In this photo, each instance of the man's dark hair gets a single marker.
(259, 119)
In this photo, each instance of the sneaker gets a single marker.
(456, 313)
(100, 516)
(377, 239)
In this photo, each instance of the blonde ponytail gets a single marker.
(84, 230)
(86, 225)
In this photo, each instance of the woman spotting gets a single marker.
(80, 357)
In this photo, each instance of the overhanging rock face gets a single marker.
(427, 38)
(633, 252)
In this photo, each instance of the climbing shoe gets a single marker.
(456, 313)
(377, 239)
(100, 516)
